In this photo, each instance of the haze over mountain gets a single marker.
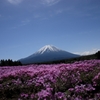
(46, 54)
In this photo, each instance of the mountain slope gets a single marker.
(46, 54)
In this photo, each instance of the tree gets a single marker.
(2, 62)
(98, 55)
(9, 62)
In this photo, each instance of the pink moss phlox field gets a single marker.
(74, 81)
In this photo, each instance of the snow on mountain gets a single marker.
(48, 48)
(46, 54)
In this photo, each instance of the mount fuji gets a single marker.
(46, 54)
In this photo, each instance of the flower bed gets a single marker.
(76, 81)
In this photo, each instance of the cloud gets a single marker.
(21, 24)
(15, 1)
(25, 22)
(59, 11)
(37, 16)
(88, 52)
(49, 2)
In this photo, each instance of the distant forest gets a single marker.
(10, 62)
(86, 57)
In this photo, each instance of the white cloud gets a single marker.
(36, 16)
(88, 52)
(59, 11)
(49, 2)
(15, 1)
(21, 24)
(25, 22)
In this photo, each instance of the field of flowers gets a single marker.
(77, 81)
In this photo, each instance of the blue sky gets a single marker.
(28, 25)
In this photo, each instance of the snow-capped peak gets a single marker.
(47, 53)
(48, 48)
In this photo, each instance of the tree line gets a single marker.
(84, 57)
(9, 62)
(98, 55)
